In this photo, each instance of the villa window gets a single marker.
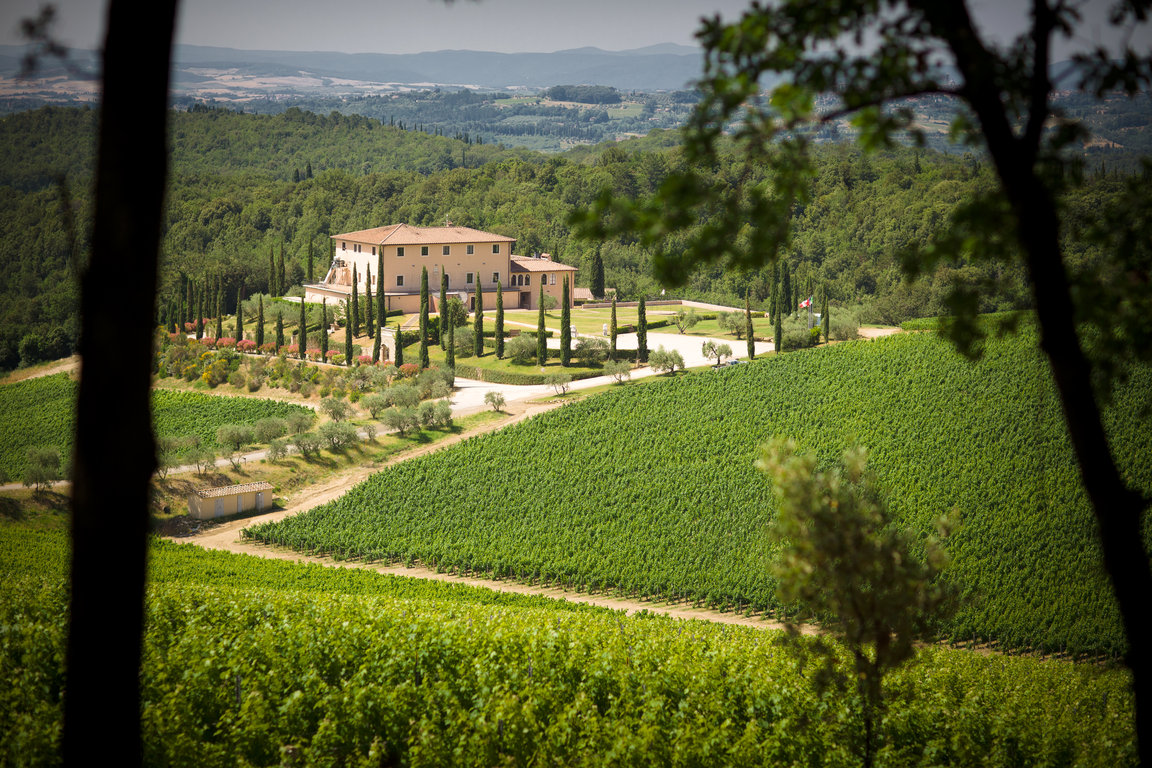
(423, 250)
(495, 277)
(495, 247)
(447, 250)
(527, 279)
(400, 251)
(468, 278)
(343, 246)
(552, 279)
(373, 250)
(471, 249)
(399, 281)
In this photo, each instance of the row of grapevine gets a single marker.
(652, 490)
(40, 412)
(344, 674)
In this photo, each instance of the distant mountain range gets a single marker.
(199, 68)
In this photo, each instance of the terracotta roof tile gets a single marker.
(233, 490)
(528, 264)
(402, 234)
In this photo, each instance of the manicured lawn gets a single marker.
(489, 362)
(587, 321)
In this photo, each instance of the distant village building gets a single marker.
(206, 503)
(468, 256)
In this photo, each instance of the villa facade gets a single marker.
(469, 257)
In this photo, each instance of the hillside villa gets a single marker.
(468, 256)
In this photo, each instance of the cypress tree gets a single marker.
(272, 272)
(308, 170)
(541, 342)
(302, 341)
(565, 326)
(310, 260)
(478, 339)
(597, 285)
(324, 329)
(354, 310)
(450, 348)
(612, 330)
(399, 361)
(641, 333)
(189, 307)
(381, 313)
(499, 321)
(260, 321)
(778, 329)
(200, 314)
(279, 329)
(774, 292)
(424, 317)
(369, 314)
(786, 297)
(240, 311)
(219, 310)
(347, 339)
(280, 275)
(824, 321)
(442, 306)
(748, 328)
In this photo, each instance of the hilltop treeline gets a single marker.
(243, 186)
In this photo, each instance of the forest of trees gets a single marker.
(243, 186)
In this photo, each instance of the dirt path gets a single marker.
(226, 537)
(66, 365)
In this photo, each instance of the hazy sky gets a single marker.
(408, 26)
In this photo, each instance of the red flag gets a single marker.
(806, 303)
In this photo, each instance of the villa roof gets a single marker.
(530, 264)
(403, 234)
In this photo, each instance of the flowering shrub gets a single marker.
(332, 353)
(173, 336)
(189, 327)
(245, 345)
(313, 354)
(227, 342)
(408, 370)
(364, 360)
(290, 349)
(269, 348)
(209, 342)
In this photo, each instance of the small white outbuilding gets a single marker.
(206, 503)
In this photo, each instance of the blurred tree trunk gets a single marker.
(114, 449)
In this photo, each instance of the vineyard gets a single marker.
(39, 412)
(652, 490)
(263, 663)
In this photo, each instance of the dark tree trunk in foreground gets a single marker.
(114, 448)
(1117, 507)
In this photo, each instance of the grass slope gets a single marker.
(653, 489)
(40, 412)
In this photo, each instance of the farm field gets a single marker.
(652, 491)
(39, 412)
(246, 660)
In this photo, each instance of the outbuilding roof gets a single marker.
(530, 264)
(233, 490)
(403, 234)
